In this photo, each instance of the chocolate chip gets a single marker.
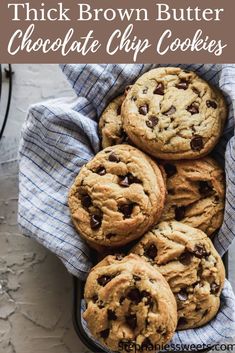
(151, 251)
(101, 171)
(182, 321)
(200, 251)
(143, 109)
(134, 295)
(171, 111)
(186, 258)
(105, 334)
(127, 89)
(170, 169)
(205, 188)
(196, 91)
(119, 257)
(122, 300)
(86, 201)
(95, 221)
(126, 209)
(205, 313)
(159, 89)
(111, 315)
(211, 104)
(197, 143)
(182, 295)
(145, 90)
(215, 288)
(95, 298)
(149, 298)
(146, 343)
(131, 321)
(110, 235)
(136, 278)
(179, 213)
(114, 158)
(193, 109)
(119, 110)
(133, 99)
(182, 85)
(103, 280)
(124, 181)
(152, 121)
(101, 305)
(200, 271)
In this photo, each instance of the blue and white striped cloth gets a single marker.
(59, 136)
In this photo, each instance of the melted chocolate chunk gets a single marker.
(143, 109)
(211, 104)
(119, 110)
(193, 109)
(114, 158)
(171, 111)
(128, 179)
(86, 201)
(170, 169)
(159, 89)
(101, 171)
(103, 280)
(179, 213)
(133, 99)
(205, 188)
(101, 305)
(215, 288)
(152, 121)
(131, 321)
(151, 251)
(134, 295)
(182, 295)
(200, 251)
(111, 315)
(186, 258)
(95, 221)
(126, 209)
(105, 334)
(183, 84)
(182, 321)
(196, 143)
(136, 278)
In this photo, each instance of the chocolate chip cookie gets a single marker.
(110, 124)
(129, 303)
(196, 192)
(117, 196)
(173, 114)
(187, 259)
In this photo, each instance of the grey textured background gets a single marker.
(35, 290)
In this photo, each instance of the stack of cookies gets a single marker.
(154, 195)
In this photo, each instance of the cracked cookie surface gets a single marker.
(129, 302)
(117, 196)
(196, 193)
(173, 114)
(187, 259)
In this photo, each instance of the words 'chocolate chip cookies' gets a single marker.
(196, 192)
(129, 302)
(117, 196)
(187, 259)
(188, 113)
